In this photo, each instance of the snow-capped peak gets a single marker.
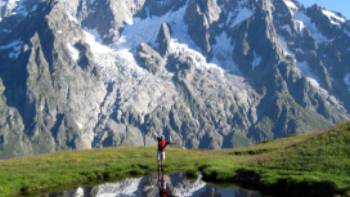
(303, 21)
(293, 8)
(333, 17)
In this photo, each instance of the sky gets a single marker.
(342, 6)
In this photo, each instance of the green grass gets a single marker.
(318, 163)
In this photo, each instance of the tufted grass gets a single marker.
(317, 163)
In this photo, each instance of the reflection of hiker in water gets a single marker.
(162, 186)
(162, 143)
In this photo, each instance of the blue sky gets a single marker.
(342, 6)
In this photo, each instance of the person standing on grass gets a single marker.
(162, 144)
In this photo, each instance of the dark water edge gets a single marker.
(285, 187)
(245, 178)
(154, 185)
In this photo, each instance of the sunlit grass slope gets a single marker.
(309, 164)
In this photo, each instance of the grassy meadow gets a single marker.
(314, 164)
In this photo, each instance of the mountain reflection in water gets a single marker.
(155, 185)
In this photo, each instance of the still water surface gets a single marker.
(157, 185)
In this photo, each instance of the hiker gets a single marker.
(162, 143)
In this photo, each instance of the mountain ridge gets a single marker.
(210, 74)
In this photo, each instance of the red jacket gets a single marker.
(162, 143)
(163, 193)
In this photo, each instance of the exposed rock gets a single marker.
(163, 38)
(200, 15)
(149, 58)
(81, 74)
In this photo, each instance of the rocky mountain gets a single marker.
(209, 73)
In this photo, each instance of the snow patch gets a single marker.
(347, 33)
(302, 21)
(146, 30)
(11, 4)
(256, 61)
(79, 125)
(74, 52)
(287, 28)
(299, 25)
(140, 30)
(140, 91)
(12, 7)
(111, 60)
(6, 8)
(21, 9)
(14, 47)
(200, 62)
(285, 49)
(330, 100)
(334, 18)
(10, 45)
(306, 70)
(237, 17)
(94, 40)
(347, 80)
(223, 53)
(313, 80)
(291, 6)
(72, 18)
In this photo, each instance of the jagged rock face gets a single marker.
(200, 15)
(210, 74)
(150, 59)
(163, 39)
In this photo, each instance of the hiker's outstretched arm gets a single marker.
(170, 143)
(155, 136)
